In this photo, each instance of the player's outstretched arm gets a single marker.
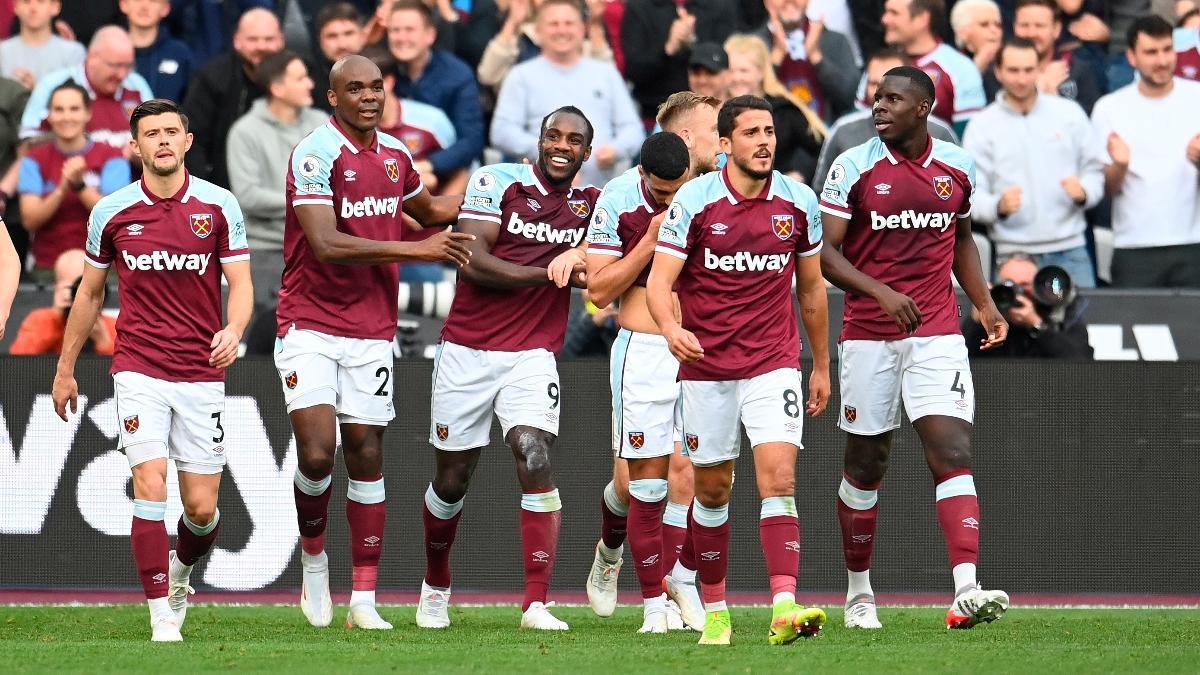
(238, 309)
(847, 277)
(10, 275)
(432, 211)
(88, 300)
(609, 277)
(663, 273)
(969, 272)
(488, 270)
(330, 245)
(814, 312)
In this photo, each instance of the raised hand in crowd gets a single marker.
(1074, 189)
(1118, 149)
(1055, 73)
(1010, 201)
(682, 33)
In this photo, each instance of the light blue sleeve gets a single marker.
(484, 192)
(969, 96)
(807, 200)
(114, 175)
(602, 235)
(673, 234)
(137, 82)
(311, 166)
(236, 248)
(30, 181)
(842, 176)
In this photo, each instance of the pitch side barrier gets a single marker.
(1085, 472)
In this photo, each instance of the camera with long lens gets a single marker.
(1053, 291)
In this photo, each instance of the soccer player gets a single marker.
(171, 237)
(507, 321)
(897, 222)
(621, 240)
(347, 186)
(731, 244)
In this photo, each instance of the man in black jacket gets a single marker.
(658, 36)
(223, 90)
(1031, 335)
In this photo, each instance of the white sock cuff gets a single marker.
(648, 490)
(441, 509)
(675, 515)
(366, 491)
(714, 517)
(959, 486)
(778, 506)
(857, 499)
(613, 502)
(202, 530)
(541, 502)
(148, 510)
(310, 487)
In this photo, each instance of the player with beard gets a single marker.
(163, 234)
(621, 240)
(507, 321)
(347, 187)
(897, 222)
(731, 245)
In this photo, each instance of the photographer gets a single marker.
(42, 330)
(1044, 314)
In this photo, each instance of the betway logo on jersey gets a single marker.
(370, 206)
(543, 232)
(911, 220)
(165, 260)
(745, 261)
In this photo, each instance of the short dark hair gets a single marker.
(917, 78)
(936, 10)
(72, 85)
(272, 68)
(338, 11)
(665, 156)
(416, 6)
(155, 106)
(1045, 4)
(572, 110)
(1152, 25)
(728, 114)
(889, 53)
(1014, 43)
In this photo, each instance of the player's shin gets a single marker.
(858, 511)
(674, 522)
(312, 511)
(194, 540)
(541, 516)
(148, 537)
(366, 511)
(710, 536)
(779, 533)
(613, 523)
(958, 514)
(441, 525)
(646, 498)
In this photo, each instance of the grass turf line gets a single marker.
(487, 640)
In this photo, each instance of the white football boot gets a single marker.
(314, 595)
(178, 587)
(366, 616)
(602, 583)
(687, 597)
(538, 617)
(860, 612)
(433, 609)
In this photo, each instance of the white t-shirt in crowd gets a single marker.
(1159, 202)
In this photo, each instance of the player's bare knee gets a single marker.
(951, 457)
(532, 448)
(866, 459)
(149, 484)
(314, 460)
(621, 487)
(201, 513)
(451, 483)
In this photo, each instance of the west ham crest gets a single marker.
(692, 441)
(943, 186)
(443, 432)
(636, 439)
(291, 380)
(131, 424)
(579, 207)
(850, 413)
(392, 167)
(202, 224)
(783, 226)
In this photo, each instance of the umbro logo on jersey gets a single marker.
(911, 220)
(370, 206)
(745, 261)
(349, 175)
(543, 232)
(135, 229)
(970, 523)
(533, 203)
(719, 228)
(883, 189)
(372, 540)
(540, 556)
(439, 545)
(163, 260)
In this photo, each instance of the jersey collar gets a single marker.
(544, 185)
(924, 160)
(180, 196)
(348, 141)
(648, 199)
(736, 197)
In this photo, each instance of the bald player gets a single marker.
(346, 189)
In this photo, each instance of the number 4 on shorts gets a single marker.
(958, 385)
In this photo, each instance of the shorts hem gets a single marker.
(643, 455)
(969, 419)
(711, 462)
(542, 427)
(857, 432)
(799, 444)
(461, 448)
(202, 468)
(351, 418)
(296, 402)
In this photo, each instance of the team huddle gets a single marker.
(702, 263)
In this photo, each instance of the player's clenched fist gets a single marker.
(224, 348)
(684, 345)
(818, 391)
(901, 308)
(64, 391)
(446, 246)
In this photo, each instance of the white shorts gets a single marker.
(353, 375)
(770, 406)
(469, 384)
(183, 421)
(645, 394)
(930, 374)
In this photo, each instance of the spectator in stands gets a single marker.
(10, 276)
(834, 15)
(42, 330)
(84, 18)
(1187, 44)
(259, 145)
(1119, 15)
(1032, 333)
(815, 64)
(223, 91)
(61, 180)
(1151, 134)
(563, 76)
(708, 71)
(798, 130)
(13, 98)
(439, 79)
(518, 41)
(442, 15)
(165, 63)
(858, 127)
(36, 50)
(207, 26)
(658, 36)
(107, 75)
(978, 33)
(339, 33)
(1067, 69)
(913, 25)
(1032, 194)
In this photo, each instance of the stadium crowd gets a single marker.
(1082, 139)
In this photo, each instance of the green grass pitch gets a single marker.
(486, 640)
